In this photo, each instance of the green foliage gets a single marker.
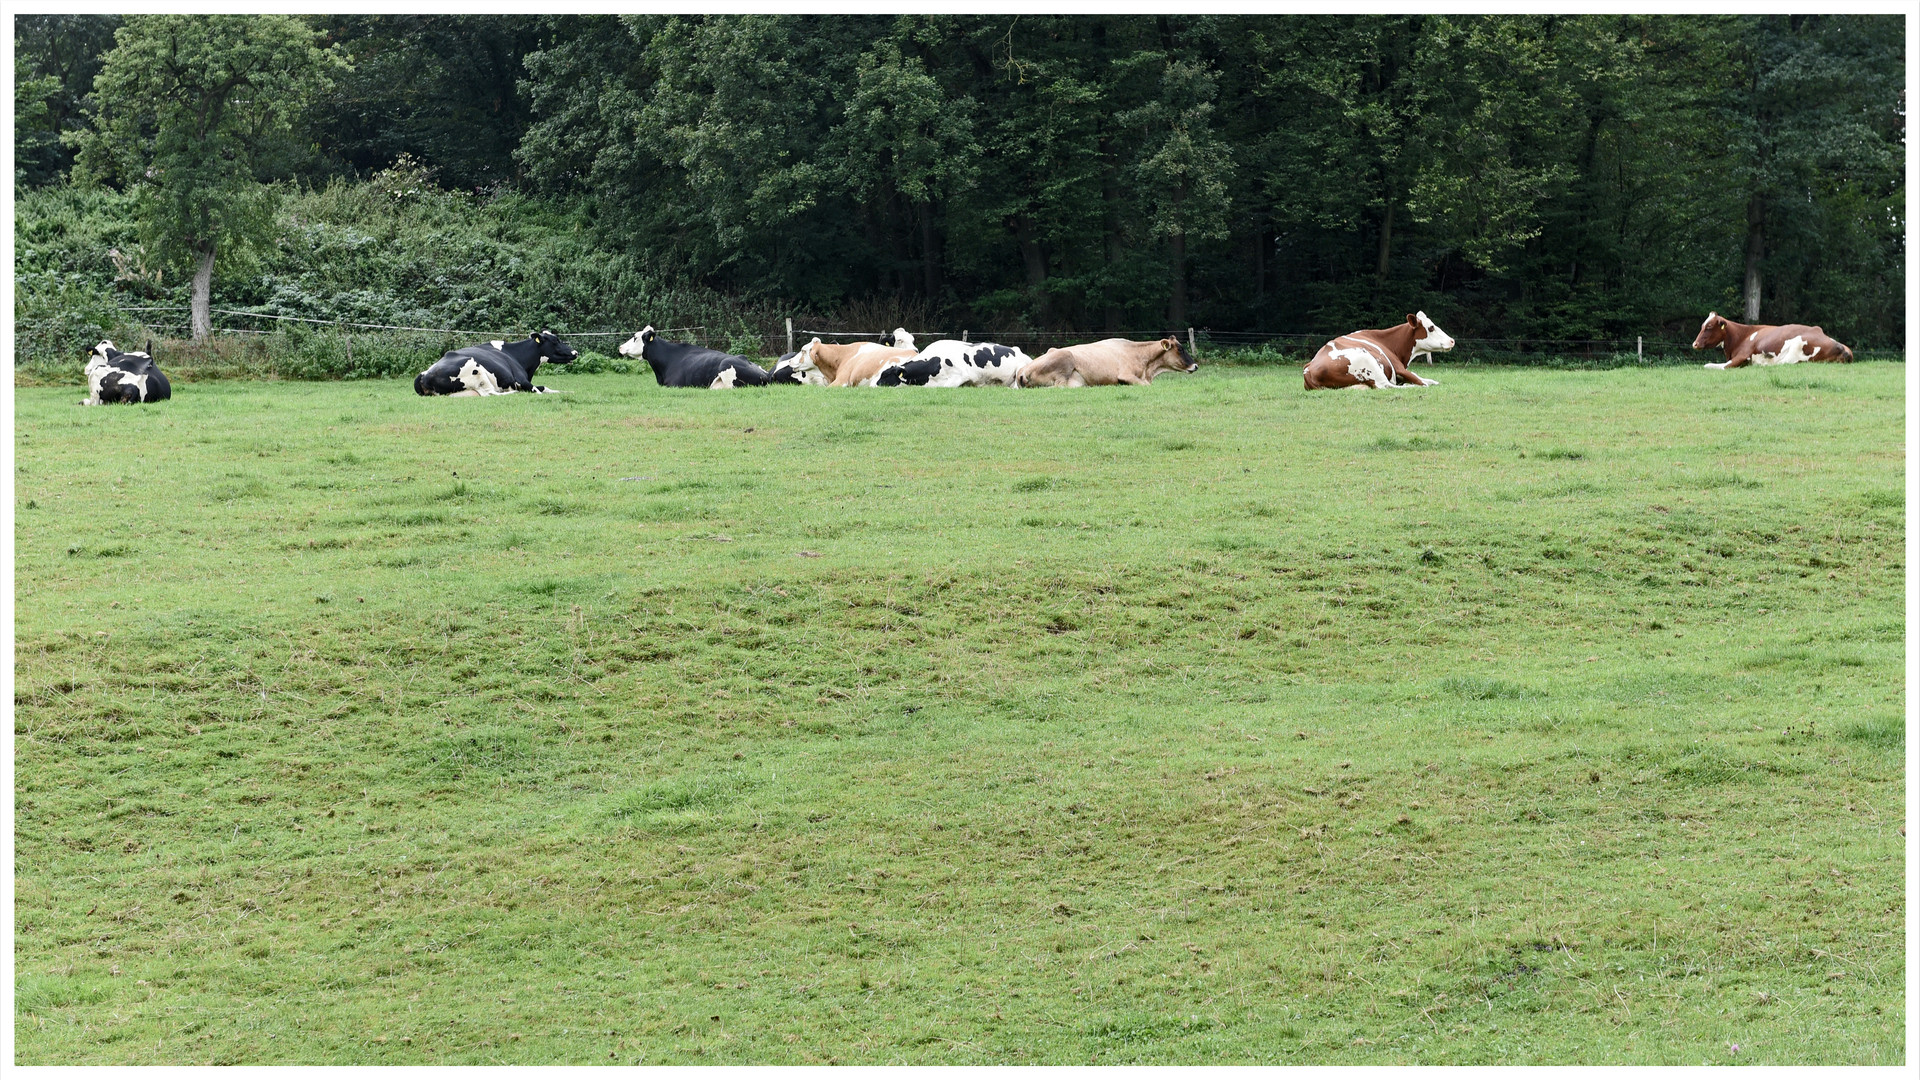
(444, 89)
(396, 250)
(191, 111)
(1182, 757)
(1516, 176)
(55, 60)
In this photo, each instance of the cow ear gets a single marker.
(1413, 320)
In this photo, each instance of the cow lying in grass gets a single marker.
(678, 365)
(1107, 363)
(957, 363)
(853, 364)
(1764, 346)
(497, 367)
(123, 378)
(1377, 358)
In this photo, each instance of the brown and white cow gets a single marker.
(1107, 362)
(1377, 358)
(1768, 345)
(852, 364)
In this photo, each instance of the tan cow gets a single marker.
(1768, 345)
(1376, 358)
(1106, 363)
(851, 364)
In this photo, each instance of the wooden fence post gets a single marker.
(1640, 348)
(789, 335)
(963, 335)
(1190, 351)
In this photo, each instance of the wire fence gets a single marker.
(1246, 346)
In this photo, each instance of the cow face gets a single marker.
(637, 344)
(902, 339)
(1712, 332)
(1176, 357)
(553, 350)
(1427, 337)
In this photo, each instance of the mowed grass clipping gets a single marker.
(1537, 717)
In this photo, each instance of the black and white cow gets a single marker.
(957, 363)
(675, 364)
(497, 367)
(115, 377)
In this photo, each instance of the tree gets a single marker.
(1818, 113)
(444, 89)
(55, 59)
(906, 140)
(192, 112)
(1184, 166)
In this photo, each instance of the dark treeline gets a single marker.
(1589, 176)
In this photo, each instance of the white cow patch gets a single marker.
(1793, 352)
(479, 379)
(1363, 364)
(726, 380)
(498, 344)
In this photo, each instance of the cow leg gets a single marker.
(1406, 375)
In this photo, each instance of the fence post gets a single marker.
(789, 335)
(1190, 348)
(1640, 349)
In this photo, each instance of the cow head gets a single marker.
(106, 352)
(1173, 356)
(637, 344)
(1712, 332)
(797, 369)
(902, 339)
(553, 350)
(1428, 337)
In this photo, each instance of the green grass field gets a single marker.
(1539, 717)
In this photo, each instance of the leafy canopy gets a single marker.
(193, 112)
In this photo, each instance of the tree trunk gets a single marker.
(1756, 243)
(1260, 265)
(1036, 260)
(203, 295)
(1177, 252)
(1386, 240)
(897, 235)
(1177, 310)
(929, 253)
(1116, 239)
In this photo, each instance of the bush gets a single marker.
(394, 251)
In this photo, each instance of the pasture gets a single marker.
(1537, 717)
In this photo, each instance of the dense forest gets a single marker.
(1516, 176)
